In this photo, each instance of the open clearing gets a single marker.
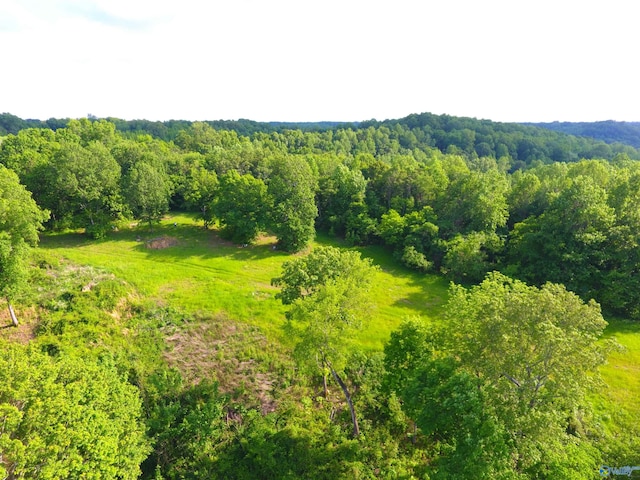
(181, 264)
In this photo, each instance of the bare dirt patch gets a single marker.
(216, 241)
(160, 243)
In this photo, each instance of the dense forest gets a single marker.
(538, 232)
(521, 143)
(608, 131)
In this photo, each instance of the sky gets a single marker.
(320, 60)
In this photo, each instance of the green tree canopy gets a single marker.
(147, 191)
(241, 205)
(566, 243)
(20, 221)
(307, 275)
(476, 201)
(67, 418)
(292, 188)
(531, 355)
(82, 185)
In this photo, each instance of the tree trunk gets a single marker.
(347, 396)
(324, 384)
(14, 319)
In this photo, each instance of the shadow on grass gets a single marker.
(426, 293)
(618, 326)
(169, 241)
(183, 242)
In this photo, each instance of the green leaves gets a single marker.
(292, 187)
(566, 244)
(535, 346)
(508, 370)
(147, 192)
(307, 275)
(67, 418)
(241, 205)
(474, 202)
(82, 184)
(327, 292)
(20, 221)
(20, 217)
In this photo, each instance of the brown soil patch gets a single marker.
(161, 243)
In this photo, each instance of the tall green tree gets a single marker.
(82, 186)
(566, 244)
(469, 257)
(147, 190)
(620, 290)
(523, 197)
(341, 196)
(413, 236)
(476, 201)
(292, 188)
(20, 221)
(27, 153)
(89, 131)
(241, 205)
(502, 385)
(535, 354)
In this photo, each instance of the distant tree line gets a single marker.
(522, 144)
(169, 129)
(608, 131)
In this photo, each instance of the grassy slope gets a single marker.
(204, 273)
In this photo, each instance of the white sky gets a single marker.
(312, 60)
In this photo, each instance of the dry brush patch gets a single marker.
(238, 356)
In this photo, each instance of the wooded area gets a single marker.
(531, 226)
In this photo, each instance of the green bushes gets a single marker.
(67, 417)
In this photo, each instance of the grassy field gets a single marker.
(185, 266)
(182, 265)
(622, 371)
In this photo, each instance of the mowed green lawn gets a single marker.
(194, 270)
